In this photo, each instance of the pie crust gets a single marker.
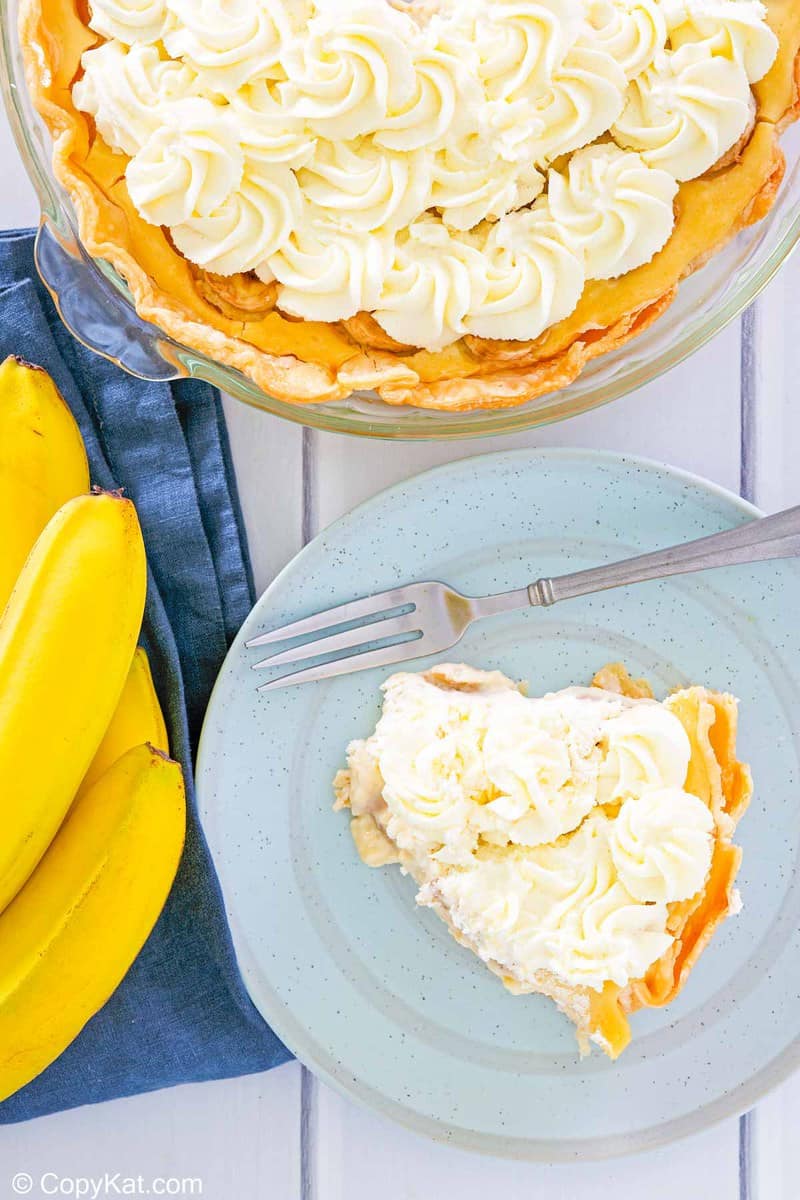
(724, 783)
(233, 320)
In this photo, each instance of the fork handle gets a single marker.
(777, 536)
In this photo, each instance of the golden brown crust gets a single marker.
(518, 382)
(236, 296)
(720, 780)
(793, 112)
(365, 330)
(234, 322)
(614, 677)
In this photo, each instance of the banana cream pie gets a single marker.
(456, 204)
(579, 843)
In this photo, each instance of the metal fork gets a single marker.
(427, 618)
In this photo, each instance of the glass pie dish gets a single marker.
(96, 305)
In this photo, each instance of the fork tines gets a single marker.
(374, 631)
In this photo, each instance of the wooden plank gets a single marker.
(772, 394)
(771, 444)
(775, 1150)
(267, 454)
(240, 1137)
(360, 1156)
(20, 204)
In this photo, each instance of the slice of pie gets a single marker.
(456, 204)
(579, 843)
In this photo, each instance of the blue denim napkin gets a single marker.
(181, 1013)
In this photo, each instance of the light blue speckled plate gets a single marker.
(372, 993)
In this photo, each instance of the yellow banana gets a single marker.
(67, 638)
(42, 462)
(72, 932)
(137, 719)
(42, 465)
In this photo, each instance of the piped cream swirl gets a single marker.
(327, 273)
(231, 41)
(533, 277)
(189, 166)
(613, 209)
(129, 21)
(661, 844)
(252, 223)
(358, 186)
(442, 106)
(735, 29)
(686, 111)
(470, 186)
(435, 279)
(646, 747)
(267, 133)
(521, 44)
(632, 32)
(352, 68)
(125, 90)
(582, 101)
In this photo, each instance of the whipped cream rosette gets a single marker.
(533, 276)
(267, 133)
(736, 31)
(130, 21)
(687, 110)
(469, 185)
(632, 32)
(445, 100)
(645, 747)
(356, 185)
(189, 166)
(251, 224)
(125, 89)
(232, 41)
(435, 279)
(615, 210)
(584, 98)
(327, 273)
(518, 47)
(469, 144)
(661, 845)
(351, 68)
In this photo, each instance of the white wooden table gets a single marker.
(731, 414)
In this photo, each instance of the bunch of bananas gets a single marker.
(92, 811)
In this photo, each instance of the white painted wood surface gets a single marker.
(731, 414)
